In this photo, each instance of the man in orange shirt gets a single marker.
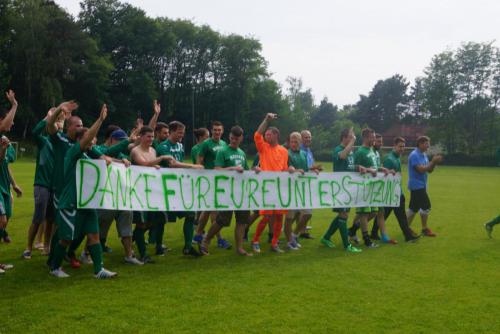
(273, 157)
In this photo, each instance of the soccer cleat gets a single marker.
(428, 233)
(413, 238)
(85, 258)
(146, 259)
(26, 255)
(104, 274)
(198, 238)
(350, 248)
(256, 247)
(292, 246)
(277, 249)
(74, 263)
(5, 266)
(224, 244)
(354, 239)
(489, 229)
(132, 260)
(59, 273)
(371, 244)
(191, 252)
(306, 236)
(327, 243)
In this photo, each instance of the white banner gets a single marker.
(170, 189)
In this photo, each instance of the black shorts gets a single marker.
(224, 217)
(172, 216)
(419, 200)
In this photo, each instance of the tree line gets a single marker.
(114, 53)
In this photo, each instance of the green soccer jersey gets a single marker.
(168, 148)
(117, 150)
(298, 159)
(44, 157)
(342, 165)
(365, 157)
(231, 157)
(208, 151)
(10, 157)
(67, 199)
(377, 158)
(393, 161)
(61, 144)
(194, 152)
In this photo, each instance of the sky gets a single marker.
(340, 49)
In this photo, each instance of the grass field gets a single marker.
(441, 285)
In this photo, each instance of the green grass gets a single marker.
(442, 285)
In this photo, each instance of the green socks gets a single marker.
(139, 241)
(95, 251)
(342, 224)
(332, 229)
(188, 229)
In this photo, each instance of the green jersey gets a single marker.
(208, 151)
(377, 158)
(44, 157)
(115, 151)
(10, 157)
(61, 144)
(343, 165)
(298, 159)
(365, 157)
(393, 161)
(194, 153)
(168, 148)
(231, 157)
(67, 199)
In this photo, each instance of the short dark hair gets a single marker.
(109, 130)
(378, 135)
(422, 139)
(237, 131)
(366, 132)
(217, 123)
(145, 129)
(174, 125)
(160, 126)
(274, 130)
(398, 140)
(344, 133)
(200, 132)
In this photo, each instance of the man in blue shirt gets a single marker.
(418, 167)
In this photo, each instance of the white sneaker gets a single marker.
(104, 273)
(277, 249)
(59, 273)
(85, 258)
(292, 246)
(133, 260)
(5, 266)
(2, 271)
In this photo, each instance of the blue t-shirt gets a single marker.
(417, 180)
(309, 155)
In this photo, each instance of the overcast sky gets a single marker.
(340, 48)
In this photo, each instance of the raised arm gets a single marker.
(92, 132)
(343, 155)
(67, 107)
(7, 122)
(265, 123)
(156, 114)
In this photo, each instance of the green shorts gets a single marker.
(339, 210)
(5, 205)
(367, 210)
(72, 223)
(172, 216)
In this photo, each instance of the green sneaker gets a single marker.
(488, 229)
(353, 249)
(327, 243)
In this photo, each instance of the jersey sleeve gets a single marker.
(260, 143)
(115, 150)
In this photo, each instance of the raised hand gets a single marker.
(271, 116)
(11, 96)
(104, 112)
(156, 107)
